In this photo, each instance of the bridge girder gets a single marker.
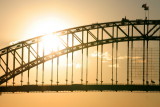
(147, 31)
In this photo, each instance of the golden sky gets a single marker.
(22, 19)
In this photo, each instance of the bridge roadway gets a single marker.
(79, 87)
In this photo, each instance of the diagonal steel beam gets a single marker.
(123, 31)
(152, 29)
(16, 57)
(5, 63)
(64, 44)
(155, 31)
(2, 68)
(28, 46)
(92, 35)
(34, 51)
(138, 30)
(74, 35)
(107, 32)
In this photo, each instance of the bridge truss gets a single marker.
(77, 60)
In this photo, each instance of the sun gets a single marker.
(50, 43)
(46, 25)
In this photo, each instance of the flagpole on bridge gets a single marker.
(146, 9)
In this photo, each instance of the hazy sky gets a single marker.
(21, 19)
(27, 18)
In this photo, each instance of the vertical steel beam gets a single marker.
(112, 56)
(67, 59)
(102, 58)
(143, 62)
(128, 54)
(22, 61)
(37, 61)
(14, 66)
(97, 56)
(144, 55)
(147, 82)
(72, 59)
(117, 57)
(57, 66)
(43, 66)
(7, 60)
(52, 69)
(87, 61)
(28, 63)
(82, 58)
(132, 56)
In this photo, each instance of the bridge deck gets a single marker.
(34, 88)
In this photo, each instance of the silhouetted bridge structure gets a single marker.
(66, 88)
(111, 56)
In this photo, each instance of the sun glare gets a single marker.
(46, 24)
(50, 43)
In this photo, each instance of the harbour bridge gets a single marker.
(112, 56)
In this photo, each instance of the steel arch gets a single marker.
(65, 51)
(149, 35)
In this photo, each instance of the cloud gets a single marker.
(94, 54)
(125, 57)
(122, 57)
(106, 56)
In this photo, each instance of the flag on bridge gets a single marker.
(145, 7)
